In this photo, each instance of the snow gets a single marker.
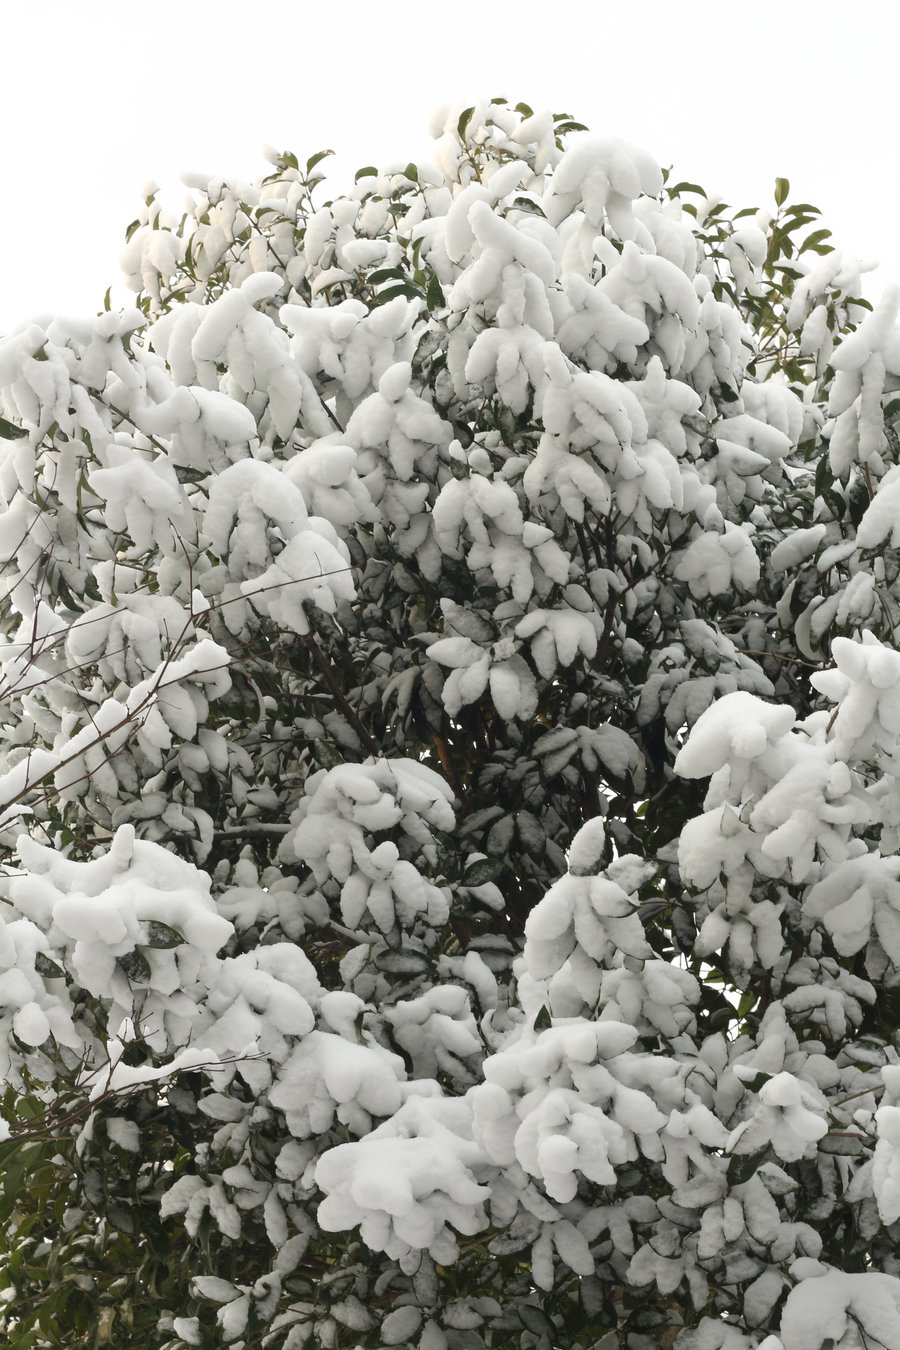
(712, 563)
(404, 1191)
(835, 1304)
(739, 724)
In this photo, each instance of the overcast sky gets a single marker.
(101, 96)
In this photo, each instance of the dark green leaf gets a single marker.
(782, 188)
(49, 969)
(121, 1217)
(757, 1082)
(385, 274)
(824, 476)
(10, 432)
(368, 172)
(858, 499)
(647, 1319)
(742, 1166)
(160, 935)
(526, 204)
(434, 296)
(327, 754)
(835, 503)
(482, 871)
(593, 1294)
(411, 172)
(536, 1321)
(406, 289)
(136, 966)
(544, 1019)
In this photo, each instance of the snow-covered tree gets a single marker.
(449, 771)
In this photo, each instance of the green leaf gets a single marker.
(121, 1217)
(526, 204)
(797, 222)
(10, 432)
(406, 289)
(481, 871)
(524, 109)
(677, 190)
(593, 1294)
(647, 1319)
(385, 274)
(411, 172)
(757, 1082)
(369, 171)
(434, 296)
(782, 188)
(161, 936)
(857, 499)
(136, 966)
(464, 118)
(824, 476)
(536, 1321)
(835, 503)
(316, 159)
(814, 241)
(327, 755)
(742, 1166)
(49, 969)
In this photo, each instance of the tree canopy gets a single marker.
(449, 746)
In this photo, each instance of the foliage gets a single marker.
(448, 770)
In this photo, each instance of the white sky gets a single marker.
(100, 96)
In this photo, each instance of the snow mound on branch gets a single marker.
(843, 1311)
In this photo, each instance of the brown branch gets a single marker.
(866, 1092)
(366, 740)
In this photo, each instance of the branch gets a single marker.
(365, 739)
